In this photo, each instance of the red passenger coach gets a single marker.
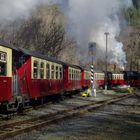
(86, 79)
(118, 79)
(99, 79)
(5, 72)
(39, 75)
(8, 92)
(28, 77)
(72, 78)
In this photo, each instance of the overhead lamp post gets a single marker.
(106, 34)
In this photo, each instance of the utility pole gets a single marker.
(106, 34)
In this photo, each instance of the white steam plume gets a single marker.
(10, 10)
(90, 19)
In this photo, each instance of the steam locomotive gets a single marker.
(27, 77)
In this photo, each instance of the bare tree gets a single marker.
(70, 53)
(130, 38)
(43, 32)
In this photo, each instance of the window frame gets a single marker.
(42, 70)
(36, 68)
(48, 70)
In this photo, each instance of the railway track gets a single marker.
(29, 108)
(12, 129)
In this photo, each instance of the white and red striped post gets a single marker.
(92, 81)
(92, 52)
(92, 76)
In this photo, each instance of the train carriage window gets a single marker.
(57, 72)
(3, 64)
(3, 69)
(76, 75)
(69, 74)
(41, 70)
(35, 69)
(73, 74)
(52, 72)
(3, 56)
(48, 71)
(113, 76)
(61, 74)
(79, 76)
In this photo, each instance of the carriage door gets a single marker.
(5, 73)
(4, 80)
(15, 89)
